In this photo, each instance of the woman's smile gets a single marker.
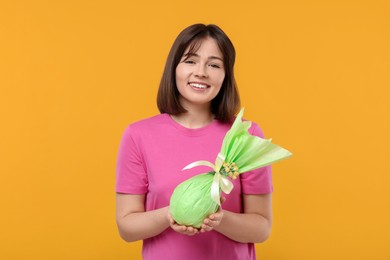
(198, 85)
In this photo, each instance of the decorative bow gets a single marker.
(219, 181)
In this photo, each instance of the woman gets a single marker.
(197, 99)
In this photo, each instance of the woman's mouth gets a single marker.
(199, 86)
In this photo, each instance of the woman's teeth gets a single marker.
(197, 85)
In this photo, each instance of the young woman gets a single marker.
(197, 99)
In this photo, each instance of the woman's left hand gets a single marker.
(213, 220)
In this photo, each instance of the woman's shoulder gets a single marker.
(146, 124)
(255, 128)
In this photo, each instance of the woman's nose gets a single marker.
(201, 70)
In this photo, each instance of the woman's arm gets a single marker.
(136, 224)
(252, 226)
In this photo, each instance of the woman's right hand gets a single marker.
(185, 230)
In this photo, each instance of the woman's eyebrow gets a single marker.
(196, 55)
(215, 58)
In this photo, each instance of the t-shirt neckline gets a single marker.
(191, 131)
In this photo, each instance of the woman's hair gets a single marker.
(226, 104)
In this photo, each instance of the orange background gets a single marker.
(313, 74)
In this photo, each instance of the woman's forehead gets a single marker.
(194, 46)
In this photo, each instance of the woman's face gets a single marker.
(199, 76)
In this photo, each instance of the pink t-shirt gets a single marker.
(151, 157)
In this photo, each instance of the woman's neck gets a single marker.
(195, 117)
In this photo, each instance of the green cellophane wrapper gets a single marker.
(194, 199)
(182, 208)
(249, 152)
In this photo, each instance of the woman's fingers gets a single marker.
(212, 221)
(190, 231)
(208, 224)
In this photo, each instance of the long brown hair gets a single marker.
(227, 103)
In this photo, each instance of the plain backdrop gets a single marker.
(313, 74)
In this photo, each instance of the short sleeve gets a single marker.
(258, 181)
(131, 174)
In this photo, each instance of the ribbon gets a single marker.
(219, 181)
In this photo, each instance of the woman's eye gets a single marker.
(189, 61)
(215, 66)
